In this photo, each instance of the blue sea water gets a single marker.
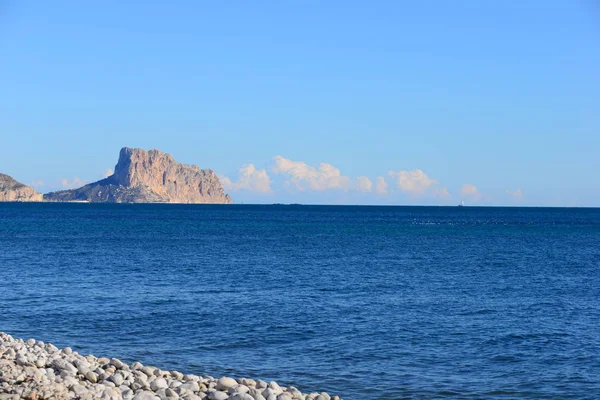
(364, 302)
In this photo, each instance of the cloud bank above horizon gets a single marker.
(283, 175)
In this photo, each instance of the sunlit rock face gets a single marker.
(11, 190)
(150, 177)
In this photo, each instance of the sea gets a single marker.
(364, 302)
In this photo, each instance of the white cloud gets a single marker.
(107, 173)
(381, 186)
(303, 176)
(470, 192)
(75, 183)
(39, 183)
(442, 193)
(516, 194)
(415, 182)
(249, 178)
(364, 184)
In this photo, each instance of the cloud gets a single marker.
(107, 173)
(471, 192)
(442, 193)
(75, 183)
(303, 176)
(363, 184)
(249, 178)
(516, 194)
(39, 183)
(381, 186)
(415, 182)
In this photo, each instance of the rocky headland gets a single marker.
(35, 370)
(12, 190)
(142, 176)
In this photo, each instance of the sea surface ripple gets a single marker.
(364, 302)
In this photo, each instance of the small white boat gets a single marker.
(462, 204)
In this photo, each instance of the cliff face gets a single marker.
(11, 190)
(150, 177)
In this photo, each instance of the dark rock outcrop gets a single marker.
(11, 190)
(150, 177)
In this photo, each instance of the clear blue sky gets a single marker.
(498, 95)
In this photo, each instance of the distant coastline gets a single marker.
(140, 176)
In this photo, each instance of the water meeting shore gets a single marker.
(35, 370)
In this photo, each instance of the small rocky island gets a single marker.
(149, 177)
(11, 190)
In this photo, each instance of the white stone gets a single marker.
(218, 395)
(238, 389)
(225, 383)
(145, 396)
(261, 384)
(240, 396)
(117, 379)
(158, 383)
(193, 386)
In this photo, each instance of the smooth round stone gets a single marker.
(238, 389)
(82, 367)
(193, 386)
(149, 371)
(79, 390)
(90, 376)
(225, 383)
(158, 383)
(30, 342)
(67, 350)
(177, 375)
(261, 384)
(137, 365)
(109, 383)
(275, 386)
(218, 396)
(117, 379)
(116, 362)
(145, 396)
(240, 396)
(22, 361)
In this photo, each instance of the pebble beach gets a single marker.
(35, 370)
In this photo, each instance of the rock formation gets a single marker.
(11, 190)
(150, 177)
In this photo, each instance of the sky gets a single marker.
(321, 102)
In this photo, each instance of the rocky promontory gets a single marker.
(35, 370)
(12, 190)
(150, 177)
